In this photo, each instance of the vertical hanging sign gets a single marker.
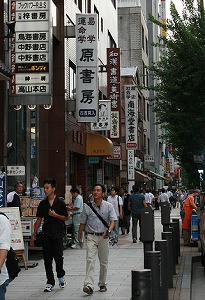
(87, 68)
(113, 89)
(131, 103)
(130, 165)
(163, 16)
(104, 116)
(31, 53)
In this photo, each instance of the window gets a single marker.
(111, 41)
(142, 37)
(148, 111)
(72, 81)
(144, 143)
(143, 74)
(144, 109)
(114, 3)
(97, 12)
(148, 146)
(89, 6)
(146, 41)
(102, 25)
(79, 4)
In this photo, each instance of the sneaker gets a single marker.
(49, 287)
(88, 290)
(62, 282)
(134, 240)
(74, 246)
(103, 288)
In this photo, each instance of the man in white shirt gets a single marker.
(13, 199)
(76, 209)
(116, 201)
(5, 243)
(163, 197)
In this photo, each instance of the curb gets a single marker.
(185, 293)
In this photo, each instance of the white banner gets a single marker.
(104, 116)
(130, 165)
(87, 67)
(131, 103)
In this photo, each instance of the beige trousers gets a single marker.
(96, 245)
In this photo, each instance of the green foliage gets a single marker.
(180, 82)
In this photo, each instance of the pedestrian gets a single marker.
(76, 209)
(163, 197)
(126, 213)
(136, 203)
(5, 243)
(97, 237)
(116, 201)
(54, 213)
(188, 207)
(156, 200)
(13, 198)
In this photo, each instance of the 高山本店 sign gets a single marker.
(31, 53)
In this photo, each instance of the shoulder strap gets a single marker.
(97, 214)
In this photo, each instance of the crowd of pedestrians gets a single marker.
(100, 221)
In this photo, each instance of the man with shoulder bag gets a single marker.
(97, 220)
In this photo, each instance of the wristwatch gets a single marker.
(109, 231)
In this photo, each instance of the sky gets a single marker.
(177, 3)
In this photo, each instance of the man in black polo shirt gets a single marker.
(54, 212)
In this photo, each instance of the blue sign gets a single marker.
(2, 190)
(93, 160)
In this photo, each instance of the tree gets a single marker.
(179, 100)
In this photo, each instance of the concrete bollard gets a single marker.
(141, 284)
(153, 262)
(162, 246)
(168, 236)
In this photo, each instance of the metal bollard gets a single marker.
(168, 236)
(141, 284)
(171, 229)
(177, 220)
(175, 228)
(153, 262)
(162, 246)
(165, 215)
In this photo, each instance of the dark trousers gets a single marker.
(53, 249)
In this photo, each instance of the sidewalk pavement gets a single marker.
(30, 284)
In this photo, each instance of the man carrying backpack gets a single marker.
(5, 243)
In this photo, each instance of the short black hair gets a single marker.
(50, 181)
(135, 188)
(75, 190)
(99, 184)
(17, 183)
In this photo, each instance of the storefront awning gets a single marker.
(4, 71)
(158, 176)
(141, 177)
(98, 145)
